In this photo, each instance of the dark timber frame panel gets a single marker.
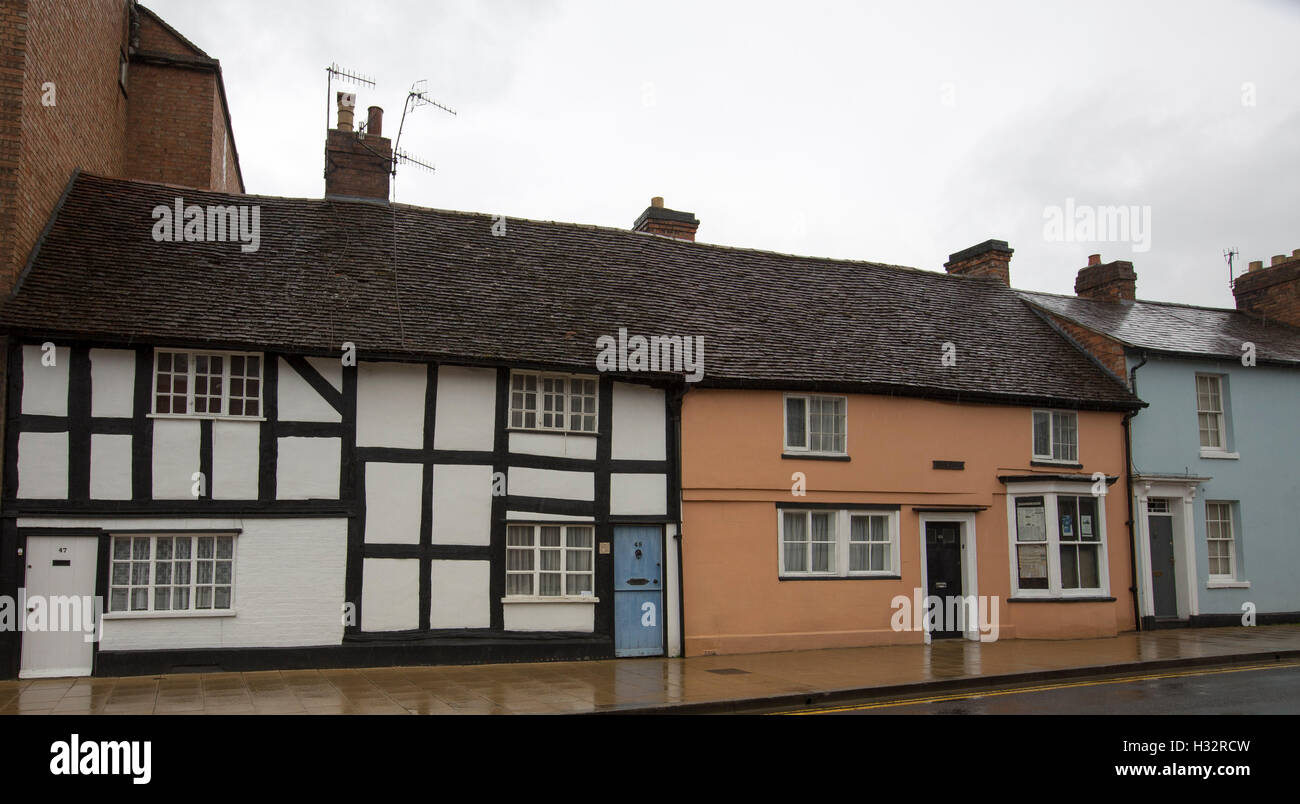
(422, 645)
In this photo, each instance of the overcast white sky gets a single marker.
(895, 132)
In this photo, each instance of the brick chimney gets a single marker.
(667, 222)
(358, 164)
(1111, 281)
(988, 260)
(1271, 292)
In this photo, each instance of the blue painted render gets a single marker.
(1262, 412)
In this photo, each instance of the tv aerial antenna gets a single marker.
(416, 97)
(350, 76)
(1230, 255)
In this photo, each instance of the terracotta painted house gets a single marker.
(1216, 497)
(874, 436)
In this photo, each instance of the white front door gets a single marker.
(61, 580)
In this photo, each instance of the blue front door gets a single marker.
(638, 591)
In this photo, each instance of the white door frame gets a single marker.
(1177, 489)
(969, 567)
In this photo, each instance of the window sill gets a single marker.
(552, 599)
(550, 431)
(1220, 455)
(814, 456)
(861, 577)
(202, 416)
(165, 615)
(1063, 599)
(1050, 462)
(1213, 584)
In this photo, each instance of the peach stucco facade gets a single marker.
(734, 477)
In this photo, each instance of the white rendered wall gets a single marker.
(110, 467)
(460, 594)
(466, 408)
(112, 382)
(45, 388)
(638, 432)
(390, 594)
(308, 468)
(43, 466)
(289, 576)
(390, 405)
(462, 504)
(393, 502)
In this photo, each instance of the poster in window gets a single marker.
(1085, 526)
(1033, 561)
(1031, 520)
(1067, 527)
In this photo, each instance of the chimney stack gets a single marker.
(667, 222)
(1112, 281)
(988, 260)
(1271, 292)
(357, 164)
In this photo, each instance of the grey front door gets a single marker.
(1164, 591)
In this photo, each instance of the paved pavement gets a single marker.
(706, 683)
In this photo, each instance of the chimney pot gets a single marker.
(346, 102)
(1278, 258)
(375, 121)
(1296, 253)
(1094, 259)
(1257, 265)
(657, 202)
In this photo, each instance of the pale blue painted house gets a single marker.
(1214, 456)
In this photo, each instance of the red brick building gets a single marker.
(108, 87)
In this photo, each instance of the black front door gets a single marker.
(943, 575)
(1163, 585)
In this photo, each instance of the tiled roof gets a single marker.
(1177, 328)
(541, 294)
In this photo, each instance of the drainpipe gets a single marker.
(675, 411)
(1128, 485)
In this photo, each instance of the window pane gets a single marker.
(519, 535)
(1089, 524)
(1069, 567)
(794, 422)
(1042, 433)
(1067, 508)
(549, 583)
(519, 559)
(823, 543)
(550, 559)
(1065, 444)
(519, 584)
(1090, 566)
(1032, 561)
(550, 536)
(577, 584)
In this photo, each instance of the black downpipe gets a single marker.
(675, 409)
(1128, 487)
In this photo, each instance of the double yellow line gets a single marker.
(1039, 688)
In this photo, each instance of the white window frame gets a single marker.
(564, 572)
(225, 385)
(538, 406)
(193, 584)
(1050, 491)
(842, 523)
(1221, 416)
(807, 434)
(1231, 540)
(1052, 436)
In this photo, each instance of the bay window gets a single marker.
(1058, 542)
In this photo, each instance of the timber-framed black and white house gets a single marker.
(344, 449)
